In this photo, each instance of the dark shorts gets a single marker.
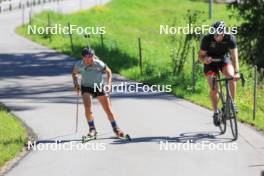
(213, 68)
(95, 93)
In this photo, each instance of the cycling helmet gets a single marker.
(87, 51)
(219, 27)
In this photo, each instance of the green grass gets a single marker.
(13, 136)
(125, 21)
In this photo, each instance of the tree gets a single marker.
(251, 31)
(183, 42)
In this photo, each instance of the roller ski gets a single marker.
(90, 136)
(121, 135)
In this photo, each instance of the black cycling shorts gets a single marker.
(94, 92)
(213, 68)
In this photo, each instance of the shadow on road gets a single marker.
(19, 69)
(59, 141)
(191, 137)
(21, 77)
(34, 65)
(67, 138)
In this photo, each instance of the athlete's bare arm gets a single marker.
(108, 77)
(234, 56)
(75, 74)
(203, 58)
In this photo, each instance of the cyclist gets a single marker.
(92, 70)
(215, 51)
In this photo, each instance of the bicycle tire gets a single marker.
(233, 120)
(222, 125)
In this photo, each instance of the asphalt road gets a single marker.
(35, 82)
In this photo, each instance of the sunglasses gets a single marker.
(217, 35)
(88, 56)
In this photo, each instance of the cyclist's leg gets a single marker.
(228, 71)
(210, 71)
(213, 92)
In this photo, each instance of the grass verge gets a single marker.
(13, 136)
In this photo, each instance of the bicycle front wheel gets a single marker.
(233, 120)
(222, 125)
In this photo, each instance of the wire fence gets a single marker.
(254, 79)
(10, 5)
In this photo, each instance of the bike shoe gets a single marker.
(235, 108)
(216, 119)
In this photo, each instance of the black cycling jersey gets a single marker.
(219, 50)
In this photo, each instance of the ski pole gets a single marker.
(77, 112)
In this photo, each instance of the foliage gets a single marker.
(251, 38)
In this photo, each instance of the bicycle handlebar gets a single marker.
(229, 79)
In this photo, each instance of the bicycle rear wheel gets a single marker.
(233, 120)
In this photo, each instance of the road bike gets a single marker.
(228, 111)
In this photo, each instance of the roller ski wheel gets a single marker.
(89, 137)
